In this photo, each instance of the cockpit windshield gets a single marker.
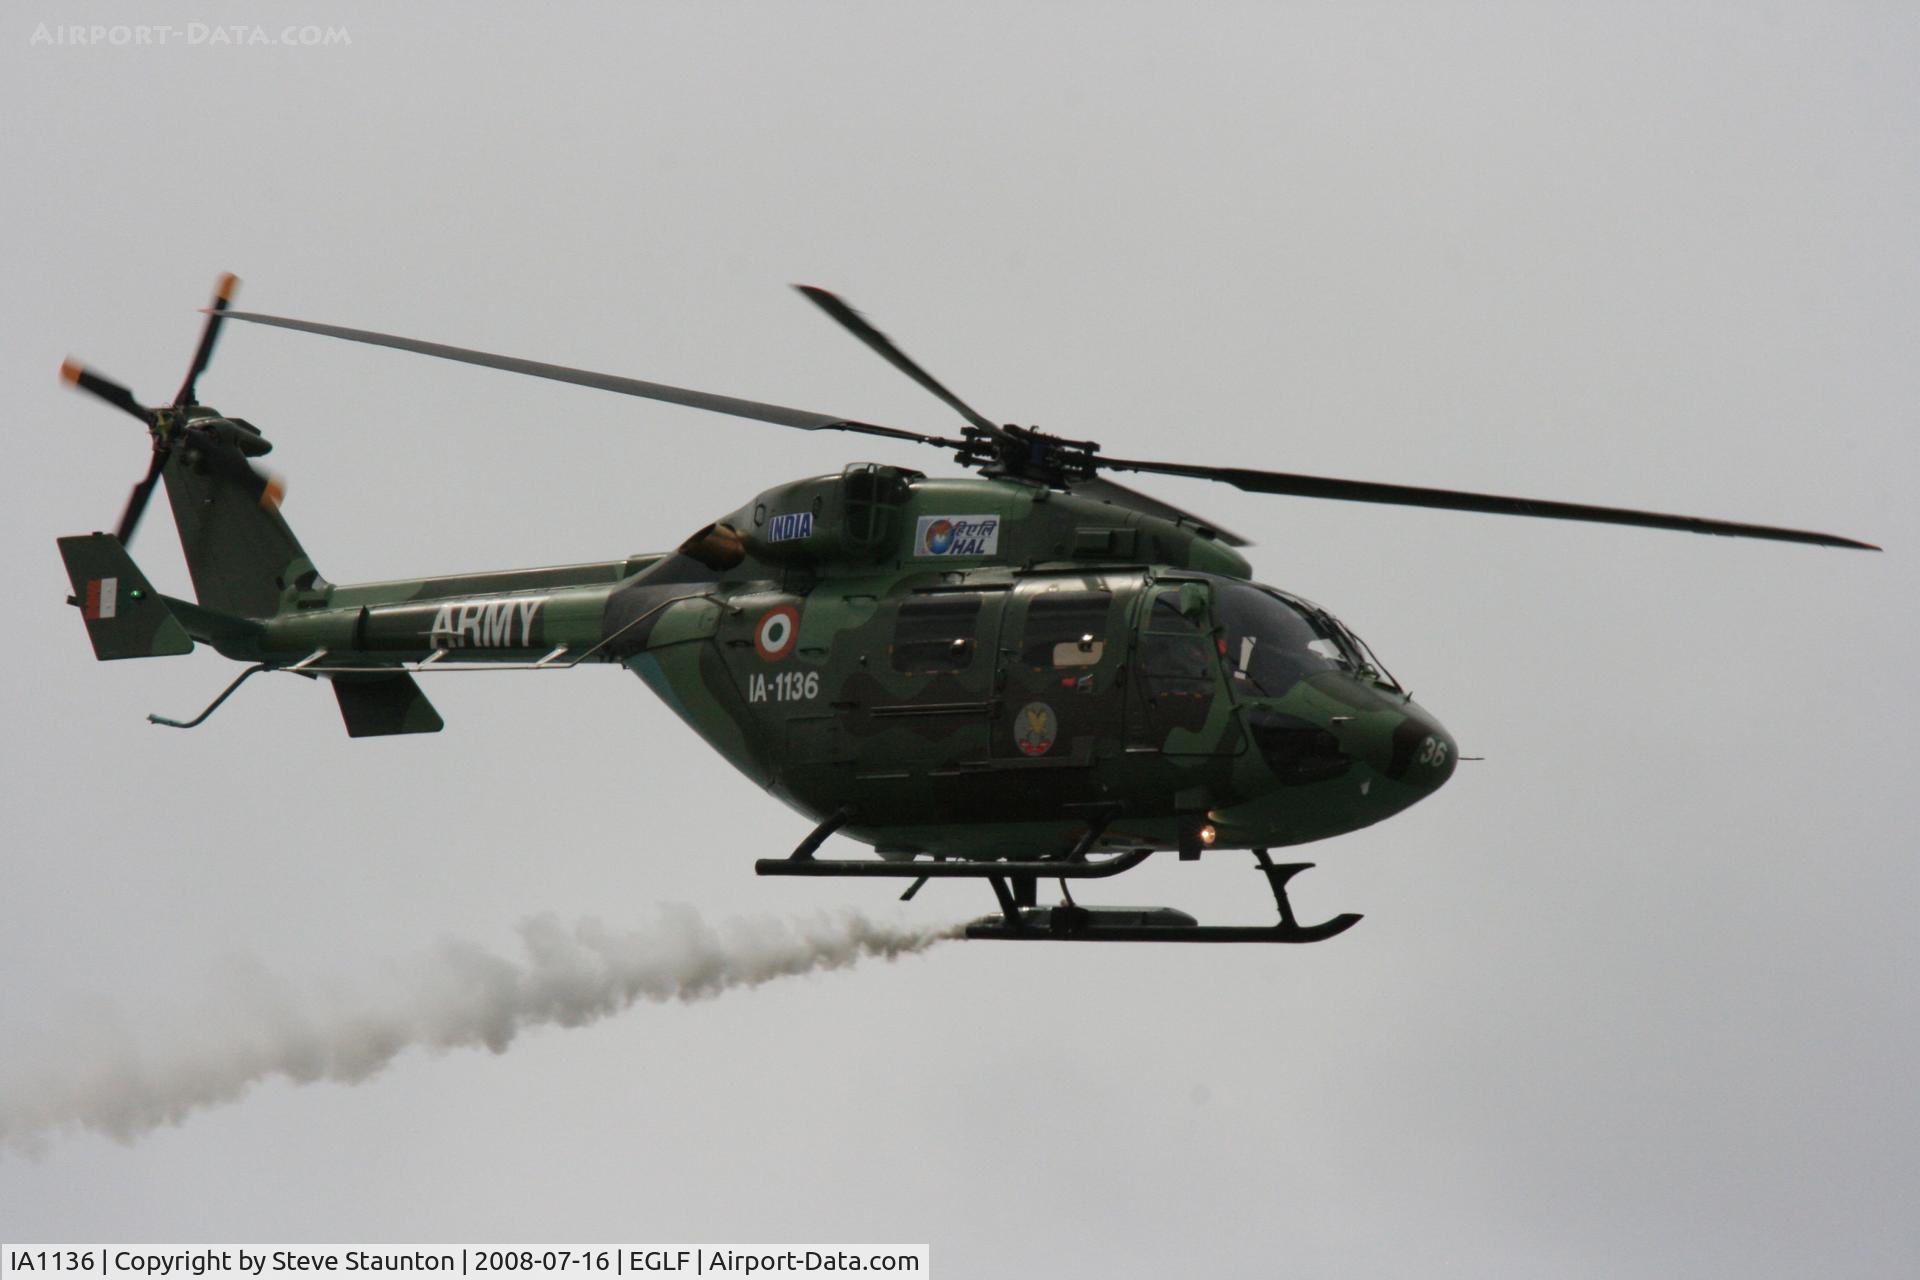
(1272, 641)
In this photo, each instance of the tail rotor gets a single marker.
(164, 423)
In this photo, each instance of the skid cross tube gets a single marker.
(1095, 829)
(1277, 877)
(804, 851)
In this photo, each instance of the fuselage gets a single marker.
(963, 667)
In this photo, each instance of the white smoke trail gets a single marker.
(461, 996)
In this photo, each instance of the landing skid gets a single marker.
(1070, 922)
(1022, 920)
(1133, 924)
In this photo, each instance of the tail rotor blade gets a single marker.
(106, 388)
(137, 500)
(222, 295)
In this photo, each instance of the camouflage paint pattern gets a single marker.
(971, 667)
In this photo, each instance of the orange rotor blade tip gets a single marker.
(229, 283)
(70, 370)
(275, 493)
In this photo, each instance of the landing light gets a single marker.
(1208, 835)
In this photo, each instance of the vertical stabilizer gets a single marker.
(242, 556)
(125, 616)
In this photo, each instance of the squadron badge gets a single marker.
(1035, 728)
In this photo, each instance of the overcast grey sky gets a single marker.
(1635, 995)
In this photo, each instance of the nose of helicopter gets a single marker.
(1342, 753)
(1397, 737)
(1402, 750)
(1421, 753)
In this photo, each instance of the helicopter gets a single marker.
(1034, 673)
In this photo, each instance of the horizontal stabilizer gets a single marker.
(125, 616)
(376, 706)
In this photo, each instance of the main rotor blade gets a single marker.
(1105, 490)
(857, 325)
(222, 294)
(137, 500)
(777, 414)
(1456, 500)
(106, 388)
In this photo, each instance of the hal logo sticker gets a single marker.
(790, 528)
(1035, 729)
(957, 536)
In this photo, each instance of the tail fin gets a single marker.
(126, 617)
(240, 553)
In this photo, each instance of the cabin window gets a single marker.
(935, 633)
(1066, 629)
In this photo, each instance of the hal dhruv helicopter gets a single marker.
(1036, 674)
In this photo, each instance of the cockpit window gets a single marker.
(1174, 646)
(1273, 642)
(1166, 616)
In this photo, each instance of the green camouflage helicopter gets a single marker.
(1036, 674)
